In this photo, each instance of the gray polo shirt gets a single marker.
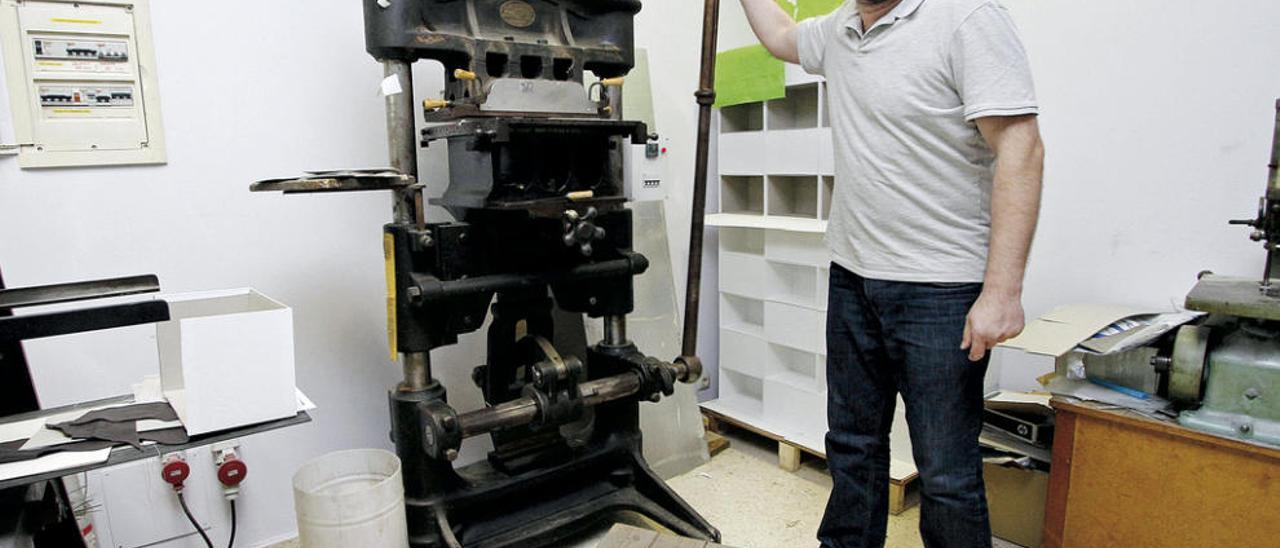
(913, 175)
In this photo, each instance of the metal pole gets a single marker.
(1268, 221)
(615, 330)
(402, 145)
(706, 96)
(401, 141)
(417, 371)
(614, 95)
(1273, 179)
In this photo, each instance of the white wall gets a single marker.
(1157, 116)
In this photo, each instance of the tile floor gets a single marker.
(756, 504)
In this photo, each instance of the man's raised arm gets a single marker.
(775, 29)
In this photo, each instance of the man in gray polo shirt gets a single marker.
(938, 165)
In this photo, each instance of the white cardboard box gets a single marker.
(226, 359)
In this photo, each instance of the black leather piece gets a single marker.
(160, 411)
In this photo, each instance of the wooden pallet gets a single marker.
(903, 493)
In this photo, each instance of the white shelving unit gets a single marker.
(776, 184)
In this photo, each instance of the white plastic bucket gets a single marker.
(351, 498)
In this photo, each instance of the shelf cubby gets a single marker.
(744, 353)
(793, 284)
(798, 110)
(794, 401)
(742, 194)
(745, 117)
(742, 391)
(793, 196)
(798, 327)
(796, 364)
(742, 314)
(749, 241)
(743, 275)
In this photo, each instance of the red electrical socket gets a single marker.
(231, 470)
(174, 470)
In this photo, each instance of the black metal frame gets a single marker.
(541, 228)
(39, 504)
(17, 390)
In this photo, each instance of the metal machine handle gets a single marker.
(706, 96)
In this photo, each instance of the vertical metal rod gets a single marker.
(1271, 202)
(614, 95)
(706, 96)
(615, 330)
(417, 371)
(1273, 179)
(402, 146)
(401, 141)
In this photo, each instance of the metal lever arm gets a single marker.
(706, 96)
(35, 326)
(78, 291)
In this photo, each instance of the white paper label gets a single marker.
(391, 85)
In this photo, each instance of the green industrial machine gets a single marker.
(1229, 364)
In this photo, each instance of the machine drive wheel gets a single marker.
(1190, 354)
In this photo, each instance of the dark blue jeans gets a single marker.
(885, 338)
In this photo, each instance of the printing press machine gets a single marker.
(540, 236)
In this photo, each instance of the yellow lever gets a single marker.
(613, 82)
(434, 104)
(463, 74)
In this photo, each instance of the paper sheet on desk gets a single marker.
(53, 463)
(1009, 396)
(1154, 406)
(20, 430)
(32, 428)
(37, 436)
(1149, 329)
(1059, 331)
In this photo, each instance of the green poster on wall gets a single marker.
(813, 8)
(748, 75)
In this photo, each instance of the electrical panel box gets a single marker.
(646, 171)
(82, 82)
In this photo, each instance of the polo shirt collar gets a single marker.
(901, 11)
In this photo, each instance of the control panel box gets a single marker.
(82, 82)
(646, 171)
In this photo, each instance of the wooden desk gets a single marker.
(1121, 479)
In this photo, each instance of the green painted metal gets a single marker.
(1242, 392)
(1233, 297)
